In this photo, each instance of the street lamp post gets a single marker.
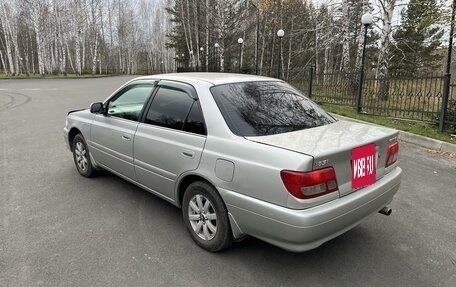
(202, 53)
(366, 20)
(177, 63)
(240, 41)
(191, 61)
(20, 65)
(62, 64)
(216, 46)
(280, 34)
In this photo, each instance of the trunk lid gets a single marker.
(336, 145)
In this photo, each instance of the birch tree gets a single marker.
(386, 16)
(345, 65)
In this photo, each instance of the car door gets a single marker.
(111, 136)
(170, 139)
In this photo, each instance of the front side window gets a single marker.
(267, 108)
(169, 108)
(130, 101)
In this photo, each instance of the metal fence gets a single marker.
(334, 88)
(417, 98)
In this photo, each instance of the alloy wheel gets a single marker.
(81, 156)
(202, 216)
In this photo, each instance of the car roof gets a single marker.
(212, 78)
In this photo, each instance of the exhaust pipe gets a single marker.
(386, 211)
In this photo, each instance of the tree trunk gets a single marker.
(289, 50)
(271, 66)
(190, 39)
(382, 70)
(207, 35)
(2, 60)
(345, 65)
(262, 48)
(35, 17)
(220, 23)
(183, 26)
(6, 22)
(195, 15)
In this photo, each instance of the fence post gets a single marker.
(309, 87)
(446, 95)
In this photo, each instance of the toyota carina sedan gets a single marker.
(240, 155)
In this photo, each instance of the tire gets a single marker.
(206, 217)
(81, 157)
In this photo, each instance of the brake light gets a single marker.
(305, 185)
(392, 153)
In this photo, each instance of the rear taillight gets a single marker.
(392, 153)
(305, 185)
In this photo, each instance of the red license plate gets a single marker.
(363, 166)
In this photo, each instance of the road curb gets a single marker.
(415, 139)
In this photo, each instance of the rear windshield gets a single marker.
(267, 108)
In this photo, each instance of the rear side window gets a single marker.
(175, 109)
(169, 108)
(267, 108)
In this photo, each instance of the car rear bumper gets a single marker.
(301, 230)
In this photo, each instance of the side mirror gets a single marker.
(96, 108)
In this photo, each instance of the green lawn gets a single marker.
(424, 129)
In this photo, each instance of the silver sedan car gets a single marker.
(240, 155)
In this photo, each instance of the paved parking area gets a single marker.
(60, 229)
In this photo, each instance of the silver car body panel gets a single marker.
(111, 143)
(162, 154)
(245, 171)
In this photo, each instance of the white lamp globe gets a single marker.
(367, 19)
(280, 33)
(240, 41)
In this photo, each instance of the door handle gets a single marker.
(126, 137)
(189, 154)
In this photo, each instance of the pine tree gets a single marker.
(418, 40)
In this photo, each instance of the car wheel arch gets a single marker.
(185, 181)
(71, 135)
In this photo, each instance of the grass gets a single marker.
(419, 128)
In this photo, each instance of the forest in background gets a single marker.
(141, 36)
(83, 36)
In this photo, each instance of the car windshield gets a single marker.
(267, 108)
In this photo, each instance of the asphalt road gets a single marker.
(60, 229)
